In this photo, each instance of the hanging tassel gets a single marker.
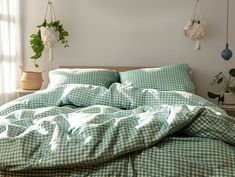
(198, 45)
(50, 55)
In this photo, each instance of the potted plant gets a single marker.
(48, 35)
(228, 87)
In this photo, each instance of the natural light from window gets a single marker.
(8, 32)
(9, 48)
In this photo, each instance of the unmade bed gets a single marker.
(92, 122)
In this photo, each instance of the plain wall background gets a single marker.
(133, 33)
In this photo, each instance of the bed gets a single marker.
(99, 122)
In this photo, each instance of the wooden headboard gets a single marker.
(116, 68)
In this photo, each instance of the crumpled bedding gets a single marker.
(85, 130)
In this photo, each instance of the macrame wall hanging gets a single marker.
(195, 28)
(49, 33)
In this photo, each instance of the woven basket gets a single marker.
(31, 80)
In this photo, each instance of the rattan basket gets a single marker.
(31, 80)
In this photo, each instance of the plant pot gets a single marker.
(49, 37)
(31, 80)
(229, 98)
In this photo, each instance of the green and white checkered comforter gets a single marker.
(83, 130)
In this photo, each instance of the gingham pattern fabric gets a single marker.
(99, 77)
(84, 130)
(167, 78)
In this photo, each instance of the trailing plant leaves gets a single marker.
(212, 95)
(37, 45)
(232, 72)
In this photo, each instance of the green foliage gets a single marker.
(228, 84)
(212, 95)
(36, 40)
(37, 45)
(196, 21)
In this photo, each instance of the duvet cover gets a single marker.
(84, 130)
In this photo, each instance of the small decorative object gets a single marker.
(227, 53)
(195, 28)
(48, 35)
(228, 87)
(31, 80)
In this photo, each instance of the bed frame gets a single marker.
(117, 68)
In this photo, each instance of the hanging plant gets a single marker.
(48, 35)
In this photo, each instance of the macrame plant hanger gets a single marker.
(195, 29)
(49, 36)
(196, 14)
(52, 11)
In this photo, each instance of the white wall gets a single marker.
(134, 33)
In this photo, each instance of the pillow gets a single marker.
(167, 78)
(98, 77)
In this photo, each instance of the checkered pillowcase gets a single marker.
(98, 77)
(167, 78)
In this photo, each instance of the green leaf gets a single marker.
(232, 72)
(220, 80)
(212, 95)
(65, 33)
(56, 23)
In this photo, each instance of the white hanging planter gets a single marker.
(49, 38)
(195, 27)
